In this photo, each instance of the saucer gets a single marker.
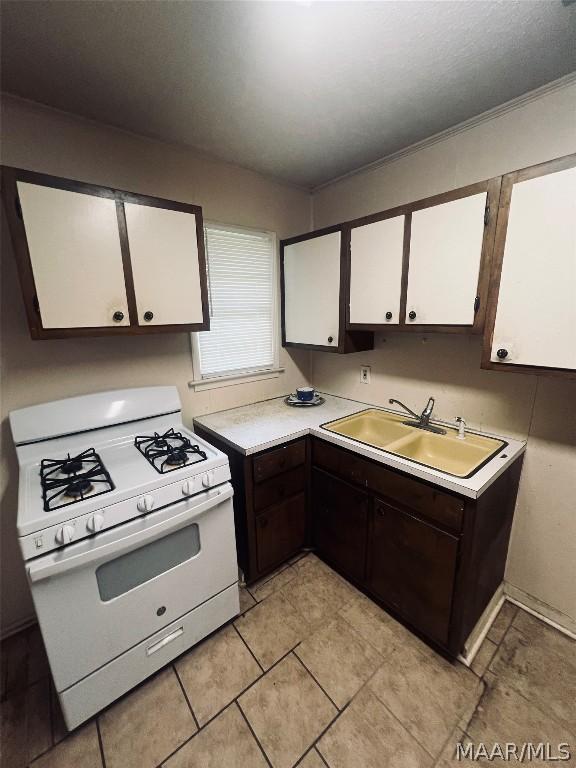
(293, 400)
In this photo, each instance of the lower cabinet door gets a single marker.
(280, 532)
(340, 524)
(412, 568)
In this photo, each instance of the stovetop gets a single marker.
(169, 451)
(113, 465)
(72, 479)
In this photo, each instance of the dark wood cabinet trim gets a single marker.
(203, 271)
(20, 248)
(10, 178)
(501, 227)
(405, 269)
(127, 263)
(344, 282)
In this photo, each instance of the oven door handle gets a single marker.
(38, 571)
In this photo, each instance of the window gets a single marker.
(242, 297)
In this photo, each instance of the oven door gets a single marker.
(99, 597)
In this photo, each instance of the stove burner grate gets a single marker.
(169, 451)
(67, 481)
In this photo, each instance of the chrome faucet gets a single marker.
(422, 421)
(427, 412)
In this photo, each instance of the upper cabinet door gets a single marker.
(312, 291)
(74, 248)
(533, 322)
(445, 255)
(165, 265)
(97, 261)
(376, 254)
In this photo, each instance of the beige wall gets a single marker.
(542, 555)
(44, 140)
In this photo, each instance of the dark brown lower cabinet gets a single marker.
(340, 523)
(432, 558)
(280, 532)
(412, 568)
(271, 503)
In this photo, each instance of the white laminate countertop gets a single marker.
(256, 427)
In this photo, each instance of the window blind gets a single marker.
(241, 298)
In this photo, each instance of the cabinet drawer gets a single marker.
(280, 532)
(279, 460)
(278, 488)
(435, 505)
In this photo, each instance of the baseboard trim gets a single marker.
(528, 603)
(541, 610)
(478, 634)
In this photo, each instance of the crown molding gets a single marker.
(466, 125)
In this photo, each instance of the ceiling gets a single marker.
(303, 91)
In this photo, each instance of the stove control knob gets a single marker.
(95, 523)
(207, 480)
(146, 503)
(188, 487)
(65, 534)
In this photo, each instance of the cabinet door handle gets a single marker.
(148, 316)
(118, 316)
(388, 315)
(330, 339)
(412, 315)
(502, 354)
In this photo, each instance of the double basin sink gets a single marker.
(447, 453)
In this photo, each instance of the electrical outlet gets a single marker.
(365, 374)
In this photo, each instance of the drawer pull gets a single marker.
(165, 640)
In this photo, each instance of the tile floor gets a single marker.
(311, 674)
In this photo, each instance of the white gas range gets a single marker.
(126, 526)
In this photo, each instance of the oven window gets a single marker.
(118, 576)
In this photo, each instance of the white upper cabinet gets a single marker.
(96, 261)
(376, 272)
(535, 317)
(444, 265)
(165, 265)
(312, 291)
(74, 247)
